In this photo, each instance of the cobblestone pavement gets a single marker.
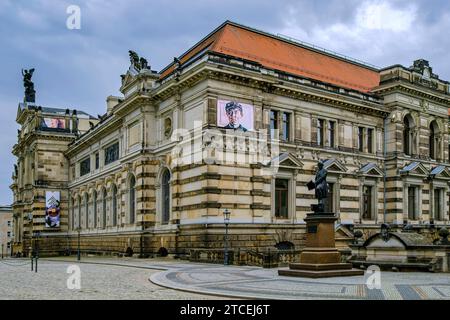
(258, 283)
(128, 278)
(17, 281)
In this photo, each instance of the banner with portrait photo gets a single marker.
(235, 115)
(53, 123)
(52, 209)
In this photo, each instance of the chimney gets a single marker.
(111, 102)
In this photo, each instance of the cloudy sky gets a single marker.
(80, 68)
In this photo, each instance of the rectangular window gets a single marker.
(97, 160)
(9, 223)
(412, 203)
(329, 207)
(370, 140)
(9, 245)
(331, 133)
(273, 123)
(361, 139)
(85, 166)
(320, 135)
(286, 122)
(437, 204)
(9, 234)
(112, 153)
(367, 202)
(281, 198)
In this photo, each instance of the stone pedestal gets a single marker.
(320, 258)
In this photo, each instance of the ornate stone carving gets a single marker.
(30, 93)
(138, 63)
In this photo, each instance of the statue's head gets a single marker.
(320, 165)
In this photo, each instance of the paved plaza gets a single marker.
(128, 278)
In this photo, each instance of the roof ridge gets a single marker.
(306, 45)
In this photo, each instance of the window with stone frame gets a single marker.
(370, 148)
(132, 199)
(438, 208)
(165, 196)
(114, 205)
(94, 209)
(368, 209)
(360, 139)
(97, 160)
(281, 198)
(85, 166)
(329, 206)
(412, 203)
(407, 135)
(332, 133)
(433, 141)
(112, 153)
(86, 211)
(274, 116)
(79, 212)
(104, 196)
(320, 132)
(286, 122)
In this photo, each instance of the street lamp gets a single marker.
(78, 253)
(226, 219)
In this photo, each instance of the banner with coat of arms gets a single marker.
(52, 209)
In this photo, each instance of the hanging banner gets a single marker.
(52, 209)
(234, 115)
(53, 123)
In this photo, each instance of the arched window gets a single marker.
(433, 142)
(407, 134)
(79, 212)
(86, 210)
(165, 196)
(104, 195)
(94, 204)
(73, 213)
(132, 199)
(114, 204)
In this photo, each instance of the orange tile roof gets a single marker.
(275, 53)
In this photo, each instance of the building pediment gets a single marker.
(371, 169)
(334, 165)
(440, 172)
(127, 79)
(287, 160)
(414, 168)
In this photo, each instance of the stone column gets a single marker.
(297, 127)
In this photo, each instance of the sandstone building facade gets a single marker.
(6, 230)
(157, 170)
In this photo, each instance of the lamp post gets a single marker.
(2, 250)
(226, 219)
(78, 252)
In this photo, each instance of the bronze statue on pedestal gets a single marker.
(30, 93)
(320, 187)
